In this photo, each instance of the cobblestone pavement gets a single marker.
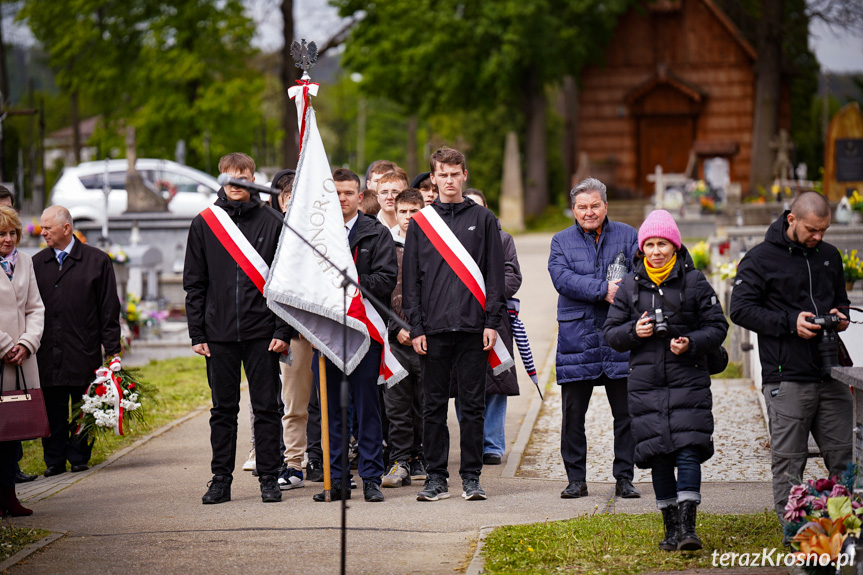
(740, 438)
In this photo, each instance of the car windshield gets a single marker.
(164, 179)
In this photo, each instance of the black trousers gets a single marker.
(63, 445)
(575, 398)
(404, 403)
(223, 374)
(8, 462)
(454, 354)
(363, 385)
(313, 425)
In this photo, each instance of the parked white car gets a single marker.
(79, 188)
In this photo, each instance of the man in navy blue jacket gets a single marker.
(578, 263)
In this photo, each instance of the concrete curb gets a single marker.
(526, 429)
(30, 549)
(477, 563)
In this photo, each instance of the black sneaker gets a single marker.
(472, 491)
(372, 492)
(418, 469)
(219, 490)
(491, 459)
(315, 470)
(270, 492)
(435, 489)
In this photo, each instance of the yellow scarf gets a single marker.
(659, 275)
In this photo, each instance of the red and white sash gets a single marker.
(251, 262)
(241, 249)
(466, 269)
(391, 371)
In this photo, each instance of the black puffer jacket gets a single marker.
(222, 303)
(375, 256)
(776, 280)
(434, 299)
(669, 395)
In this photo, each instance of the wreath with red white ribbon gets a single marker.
(113, 400)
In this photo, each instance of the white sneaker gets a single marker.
(250, 464)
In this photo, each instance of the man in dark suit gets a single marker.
(82, 316)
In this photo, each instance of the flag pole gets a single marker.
(325, 426)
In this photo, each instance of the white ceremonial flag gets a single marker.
(303, 288)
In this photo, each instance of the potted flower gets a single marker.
(700, 254)
(131, 314)
(853, 268)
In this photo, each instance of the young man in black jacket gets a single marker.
(451, 330)
(371, 245)
(231, 325)
(780, 285)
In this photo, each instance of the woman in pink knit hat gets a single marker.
(667, 315)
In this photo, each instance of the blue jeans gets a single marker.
(494, 430)
(686, 487)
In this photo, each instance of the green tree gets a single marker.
(175, 70)
(448, 56)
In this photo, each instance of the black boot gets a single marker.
(689, 540)
(672, 528)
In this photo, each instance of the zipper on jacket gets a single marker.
(452, 283)
(811, 296)
(237, 293)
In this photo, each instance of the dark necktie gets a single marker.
(60, 257)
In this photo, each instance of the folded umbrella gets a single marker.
(521, 342)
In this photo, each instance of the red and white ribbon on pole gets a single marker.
(466, 269)
(305, 88)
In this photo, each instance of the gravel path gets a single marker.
(740, 438)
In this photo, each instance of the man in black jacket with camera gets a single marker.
(231, 245)
(784, 288)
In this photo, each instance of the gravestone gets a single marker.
(843, 162)
(512, 189)
(717, 174)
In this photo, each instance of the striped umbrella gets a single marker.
(521, 342)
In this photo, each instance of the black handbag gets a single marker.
(717, 360)
(22, 410)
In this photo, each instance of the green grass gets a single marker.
(622, 544)
(14, 539)
(180, 386)
(553, 219)
(733, 371)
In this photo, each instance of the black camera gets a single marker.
(660, 322)
(828, 341)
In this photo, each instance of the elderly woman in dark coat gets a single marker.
(669, 384)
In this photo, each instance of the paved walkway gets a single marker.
(140, 512)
